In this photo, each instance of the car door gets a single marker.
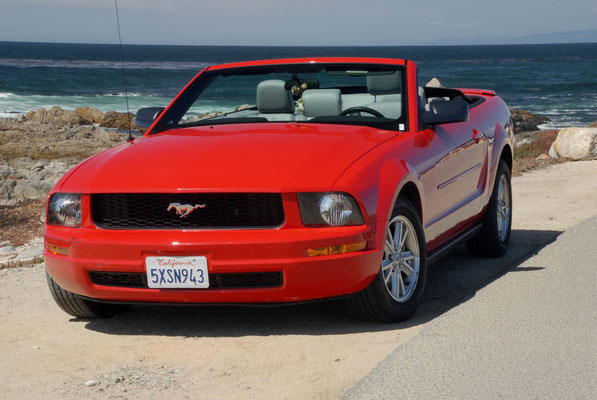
(451, 174)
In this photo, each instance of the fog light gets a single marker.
(338, 249)
(52, 248)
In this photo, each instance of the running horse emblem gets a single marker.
(184, 209)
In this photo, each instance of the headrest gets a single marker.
(273, 98)
(320, 102)
(384, 84)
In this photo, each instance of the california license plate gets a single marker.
(177, 272)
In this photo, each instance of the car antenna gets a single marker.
(126, 94)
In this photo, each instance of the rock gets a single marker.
(35, 251)
(113, 119)
(593, 125)
(243, 107)
(525, 121)
(90, 383)
(20, 118)
(575, 143)
(210, 115)
(38, 166)
(30, 115)
(543, 157)
(92, 115)
(434, 82)
(57, 115)
(6, 249)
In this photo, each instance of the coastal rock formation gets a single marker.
(593, 125)
(33, 155)
(82, 116)
(113, 119)
(57, 115)
(90, 114)
(434, 82)
(575, 143)
(525, 121)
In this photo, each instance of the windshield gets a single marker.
(337, 93)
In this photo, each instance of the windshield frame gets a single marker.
(170, 118)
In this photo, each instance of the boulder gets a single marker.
(243, 107)
(593, 125)
(113, 119)
(434, 82)
(525, 121)
(575, 144)
(90, 114)
(57, 115)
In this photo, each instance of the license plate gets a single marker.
(177, 272)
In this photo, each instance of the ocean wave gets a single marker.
(14, 103)
(100, 64)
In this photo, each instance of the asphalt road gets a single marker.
(530, 334)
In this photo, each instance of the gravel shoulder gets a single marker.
(300, 352)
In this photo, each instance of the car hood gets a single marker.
(275, 157)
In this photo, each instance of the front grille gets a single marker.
(167, 210)
(216, 281)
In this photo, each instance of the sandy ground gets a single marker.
(314, 351)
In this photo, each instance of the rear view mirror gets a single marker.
(445, 112)
(146, 116)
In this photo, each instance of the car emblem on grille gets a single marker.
(184, 209)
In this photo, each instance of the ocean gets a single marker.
(555, 80)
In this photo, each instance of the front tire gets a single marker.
(396, 291)
(494, 237)
(81, 308)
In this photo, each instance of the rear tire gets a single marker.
(493, 239)
(396, 291)
(81, 308)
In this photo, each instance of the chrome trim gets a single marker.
(453, 179)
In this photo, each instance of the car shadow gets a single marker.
(451, 281)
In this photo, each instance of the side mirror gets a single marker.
(146, 116)
(445, 112)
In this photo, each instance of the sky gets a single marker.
(290, 22)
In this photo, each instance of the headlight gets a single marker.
(65, 209)
(329, 209)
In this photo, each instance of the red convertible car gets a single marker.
(285, 181)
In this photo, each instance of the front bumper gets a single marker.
(227, 251)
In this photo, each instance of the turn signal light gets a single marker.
(52, 248)
(339, 249)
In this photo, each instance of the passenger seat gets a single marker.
(274, 102)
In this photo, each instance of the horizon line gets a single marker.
(281, 45)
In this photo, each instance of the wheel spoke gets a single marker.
(401, 283)
(395, 278)
(408, 270)
(398, 236)
(389, 248)
(386, 264)
(406, 231)
(390, 240)
(387, 277)
(500, 191)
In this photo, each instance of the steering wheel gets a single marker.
(362, 109)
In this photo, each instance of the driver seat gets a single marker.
(387, 94)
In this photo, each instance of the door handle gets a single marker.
(478, 135)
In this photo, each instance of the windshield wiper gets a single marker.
(222, 121)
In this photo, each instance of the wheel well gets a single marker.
(411, 192)
(507, 157)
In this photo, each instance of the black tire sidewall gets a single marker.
(495, 244)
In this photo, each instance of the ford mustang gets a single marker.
(279, 181)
